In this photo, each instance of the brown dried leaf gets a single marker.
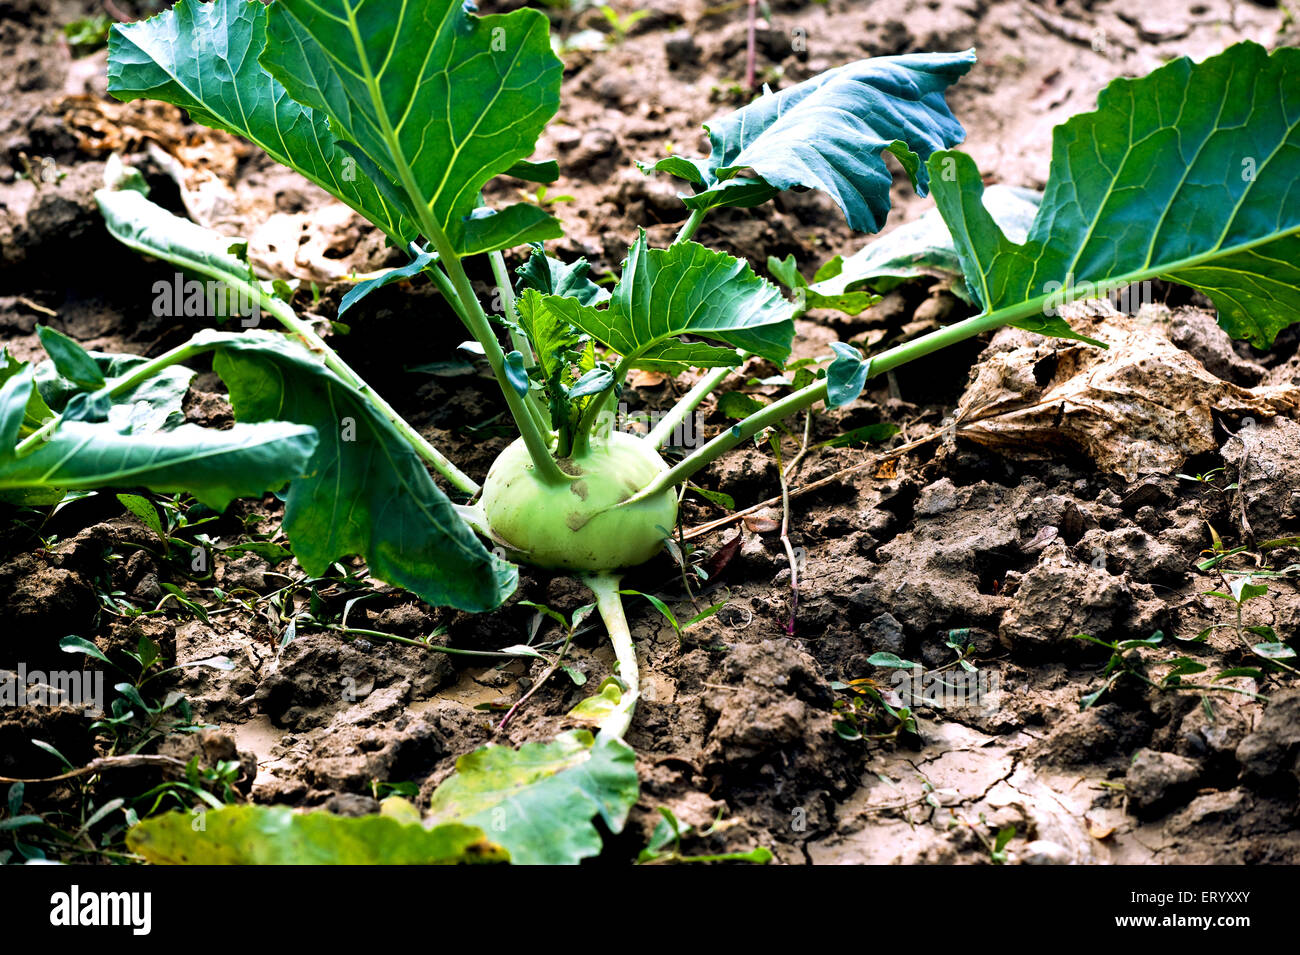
(1142, 406)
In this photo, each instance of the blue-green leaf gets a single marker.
(830, 133)
(846, 376)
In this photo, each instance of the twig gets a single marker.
(36, 306)
(555, 665)
(785, 535)
(104, 763)
(721, 522)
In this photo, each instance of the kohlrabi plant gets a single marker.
(405, 110)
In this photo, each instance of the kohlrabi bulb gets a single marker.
(574, 525)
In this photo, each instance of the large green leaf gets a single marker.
(539, 801)
(153, 405)
(1187, 174)
(148, 228)
(685, 289)
(924, 247)
(214, 466)
(203, 58)
(366, 491)
(276, 835)
(830, 133)
(437, 99)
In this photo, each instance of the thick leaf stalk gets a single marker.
(609, 604)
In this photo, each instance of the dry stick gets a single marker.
(103, 763)
(721, 522)
(785, 539)
(555, 665)
(803, 447)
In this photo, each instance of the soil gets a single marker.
(1008, 547)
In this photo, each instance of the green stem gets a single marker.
(443, 465)
(480, 327)
(661, 432)
(518, 340)
(810, 395)
(590, 419)
(610, 605)
(690, 225)
(286, 317)
(435, 647)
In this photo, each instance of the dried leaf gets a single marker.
(1141, 406)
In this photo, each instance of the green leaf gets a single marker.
(1152, 641)
(1182, 666)
(143, 508)
(69, 358)
(553, 277)
(214, 466)
(365, 491)
(925, 248)
(1186, 174)
(846, 376)
(516, 373)
(722, 500)
(418, 264)
(830, 133)
(553, 338)
(276, 835)
(543, 172)
(1243, 589)
(592, 383)
(786, 271)
(203, 57)
(685, 289)
(595, 709)
(867, 434)
(891, 660)
(37, 412)
(1250, 672)
(488, 230)
(155, 404)
(438, 99)
(1274, 651)
(151, 230)
(738, 405)
(539, 801)
(74, 644)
